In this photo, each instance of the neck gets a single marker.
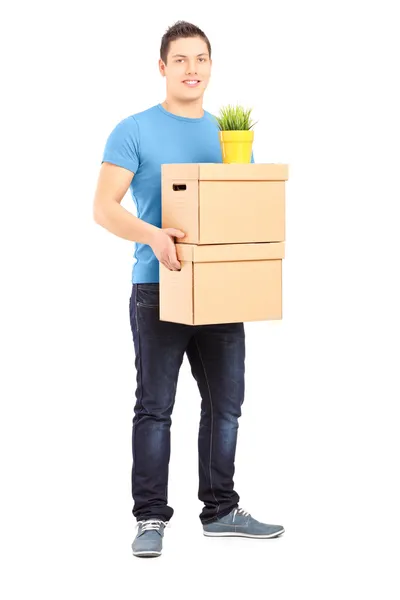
(192, 109)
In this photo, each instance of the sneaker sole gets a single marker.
(238, 534)
(147, 553)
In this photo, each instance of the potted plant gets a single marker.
(235, 135)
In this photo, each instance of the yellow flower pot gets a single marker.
(236, 146)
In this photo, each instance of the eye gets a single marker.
(202, 59)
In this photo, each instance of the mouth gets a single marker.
(191, 82)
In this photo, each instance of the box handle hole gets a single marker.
(178, 186)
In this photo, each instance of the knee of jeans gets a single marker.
(224, 416)
(230, 418)
(156, 405)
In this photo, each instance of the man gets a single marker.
(175, 131)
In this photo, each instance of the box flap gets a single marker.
(176, 294)
(243, 171)
(180, 171)
(230, 172)
(185, 252)
(230, 252)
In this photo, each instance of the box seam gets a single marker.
(192, 293)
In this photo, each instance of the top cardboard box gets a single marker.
(217, 203)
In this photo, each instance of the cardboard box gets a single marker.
(216, 203)
(225, 283)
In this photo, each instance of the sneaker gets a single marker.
(241, 524)
(148, 540)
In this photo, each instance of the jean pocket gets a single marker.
(148, 295)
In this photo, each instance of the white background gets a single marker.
(318, 446)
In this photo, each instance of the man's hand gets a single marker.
(163, 247)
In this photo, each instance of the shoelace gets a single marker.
(240, 511)
(151, 524)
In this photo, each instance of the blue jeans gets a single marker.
(216, 354)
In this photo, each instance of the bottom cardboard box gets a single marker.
(223, 283)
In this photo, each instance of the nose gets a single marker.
(191, 68)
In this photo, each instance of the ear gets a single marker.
(161, 66)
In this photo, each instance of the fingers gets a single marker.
(171, 262)
(173, 259)
(175, 232)
(175, 264)
(168, 256)
(172, 266)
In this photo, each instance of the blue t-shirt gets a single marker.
(143, 142)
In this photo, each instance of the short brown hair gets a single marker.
(181, 29)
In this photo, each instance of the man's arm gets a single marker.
(112, 185)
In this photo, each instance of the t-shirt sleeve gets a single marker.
(122, 145)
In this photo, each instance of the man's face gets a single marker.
(188, 61)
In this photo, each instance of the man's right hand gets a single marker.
(163, 246)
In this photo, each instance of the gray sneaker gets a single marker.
(149, 538)
(241, 524)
